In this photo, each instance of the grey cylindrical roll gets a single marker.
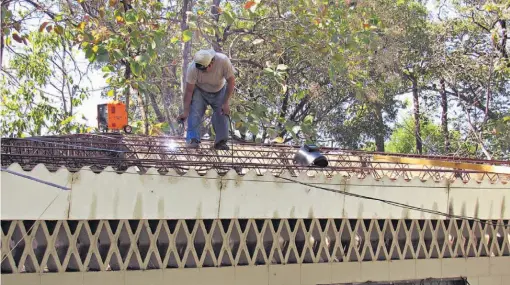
(308, 156)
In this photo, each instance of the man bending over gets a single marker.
(209, 81)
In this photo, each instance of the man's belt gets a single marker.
(214, 93)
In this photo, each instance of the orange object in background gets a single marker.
(117, 116)
(113, 116)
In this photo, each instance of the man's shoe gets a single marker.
(221, 145)
(194, 143)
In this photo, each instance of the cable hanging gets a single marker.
(389, 202)
(35, 179)
(397, 204)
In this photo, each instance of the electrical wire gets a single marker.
(35, 179)
(65, 188)
(389, 202)
(193, 126)
(396, 204)
(287, 179)
(31, 227)
(231, 137)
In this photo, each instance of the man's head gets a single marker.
(204, 59)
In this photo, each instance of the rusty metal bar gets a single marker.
(120, 152)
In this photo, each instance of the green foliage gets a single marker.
(305, 71)
(296, 62)
(497, 133)
(26, 108)
(402, 139)
(126, 42)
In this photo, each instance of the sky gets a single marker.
(89, 106)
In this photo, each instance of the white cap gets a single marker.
(204, 57)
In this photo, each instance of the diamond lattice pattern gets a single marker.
(104, 245)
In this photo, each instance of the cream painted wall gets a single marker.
(479, 271)
(109, 195)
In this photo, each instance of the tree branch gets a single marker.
(249, 61)
(41, 8)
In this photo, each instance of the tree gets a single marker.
(317, 72)
(402, 139)
(41, 85)
(472, 67)
(406, 43)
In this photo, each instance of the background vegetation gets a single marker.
(411, 76)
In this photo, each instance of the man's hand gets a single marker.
(225, 109)
(183, 116)
(186, 101)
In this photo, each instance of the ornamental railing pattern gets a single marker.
(104, 245)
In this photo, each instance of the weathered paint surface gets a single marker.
(484, 271)
(109, 195)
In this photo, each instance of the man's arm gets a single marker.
(188, 94)
(186, 101)
(230, 87)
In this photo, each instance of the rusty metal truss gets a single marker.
(164, 153)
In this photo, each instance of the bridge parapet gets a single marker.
(109, 195)
(144, 216)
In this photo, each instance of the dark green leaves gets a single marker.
(229, 17)
(135, 68)
(131, 17)
(143, 59)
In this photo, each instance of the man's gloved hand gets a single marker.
(183, 116)
(225, 109)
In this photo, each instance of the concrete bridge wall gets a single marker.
(109, 195)
(111, 228)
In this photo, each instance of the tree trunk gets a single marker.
(127, 73)
(155, 107)
(283, 114)
(504, 37)
(419, 147)
(143, 112)
(62, 91)
(4, 5)
(168, 97)
(214, 10)
(216, 16)
(168, 101)
(1, 49)
(186, 47)
(444, 117)
(379, 135)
